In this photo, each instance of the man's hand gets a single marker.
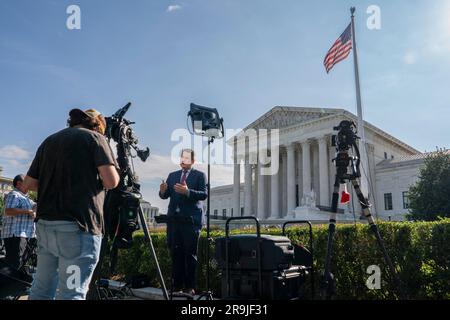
(163, 187)
(181, 188)
(32, 214)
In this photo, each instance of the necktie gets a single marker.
(183, 177)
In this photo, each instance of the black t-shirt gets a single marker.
(69, 186)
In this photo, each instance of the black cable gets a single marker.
(369, 180)
(358, 165)
(187, 125)
(353, 205)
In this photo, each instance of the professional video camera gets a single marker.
(122, 204)
(122, 209)
(119, 129)
(344, 141)
(346, 136)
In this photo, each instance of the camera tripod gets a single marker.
(151, 248)
(96, 282)
(345, 140)
(122, 207)
(127, 203)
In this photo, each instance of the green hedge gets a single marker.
(420, 251)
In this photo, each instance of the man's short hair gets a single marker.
(17, 179)
(189, 151)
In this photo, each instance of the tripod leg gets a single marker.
(208, 215)
(374, 228)
(328, 279)
(152, 250)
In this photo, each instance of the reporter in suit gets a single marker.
(186, 188)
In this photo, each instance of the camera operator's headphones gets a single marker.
(91, 114)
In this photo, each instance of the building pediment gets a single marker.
(282, 117)
(291, 118)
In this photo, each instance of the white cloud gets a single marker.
(14, 163)
(158, 167)
(173, 7)
(14, 160)
(410, 58)
(12, 152)
(436, 35)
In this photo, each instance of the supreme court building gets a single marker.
(303, 185)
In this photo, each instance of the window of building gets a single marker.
(385, 155)
(215, 213)
(405, 200)
(392, 156)
(231, 211)
(388, 201)
(224, 213)
(242, 211)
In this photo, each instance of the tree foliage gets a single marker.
(430, 196)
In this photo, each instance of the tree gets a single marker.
(32, 195)
(430, 196)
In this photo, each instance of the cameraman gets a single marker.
(186, 189)
(70, 171)
(18, 224)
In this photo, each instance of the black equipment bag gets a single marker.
(302, 256)
(277, 253)
(277, 285)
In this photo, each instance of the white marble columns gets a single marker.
(290, 179)
(248, 210)
(274, 195)
(261, 195)
(323, 172)
(306, 157)
(237, 187)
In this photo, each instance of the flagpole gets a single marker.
(362, 142)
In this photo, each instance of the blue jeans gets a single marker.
(66, 261)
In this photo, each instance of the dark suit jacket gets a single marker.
(191, 205)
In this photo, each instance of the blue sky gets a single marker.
(240, 56)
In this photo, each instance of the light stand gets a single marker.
(208, 294)
(206, 122)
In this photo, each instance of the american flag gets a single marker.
(340, 49)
